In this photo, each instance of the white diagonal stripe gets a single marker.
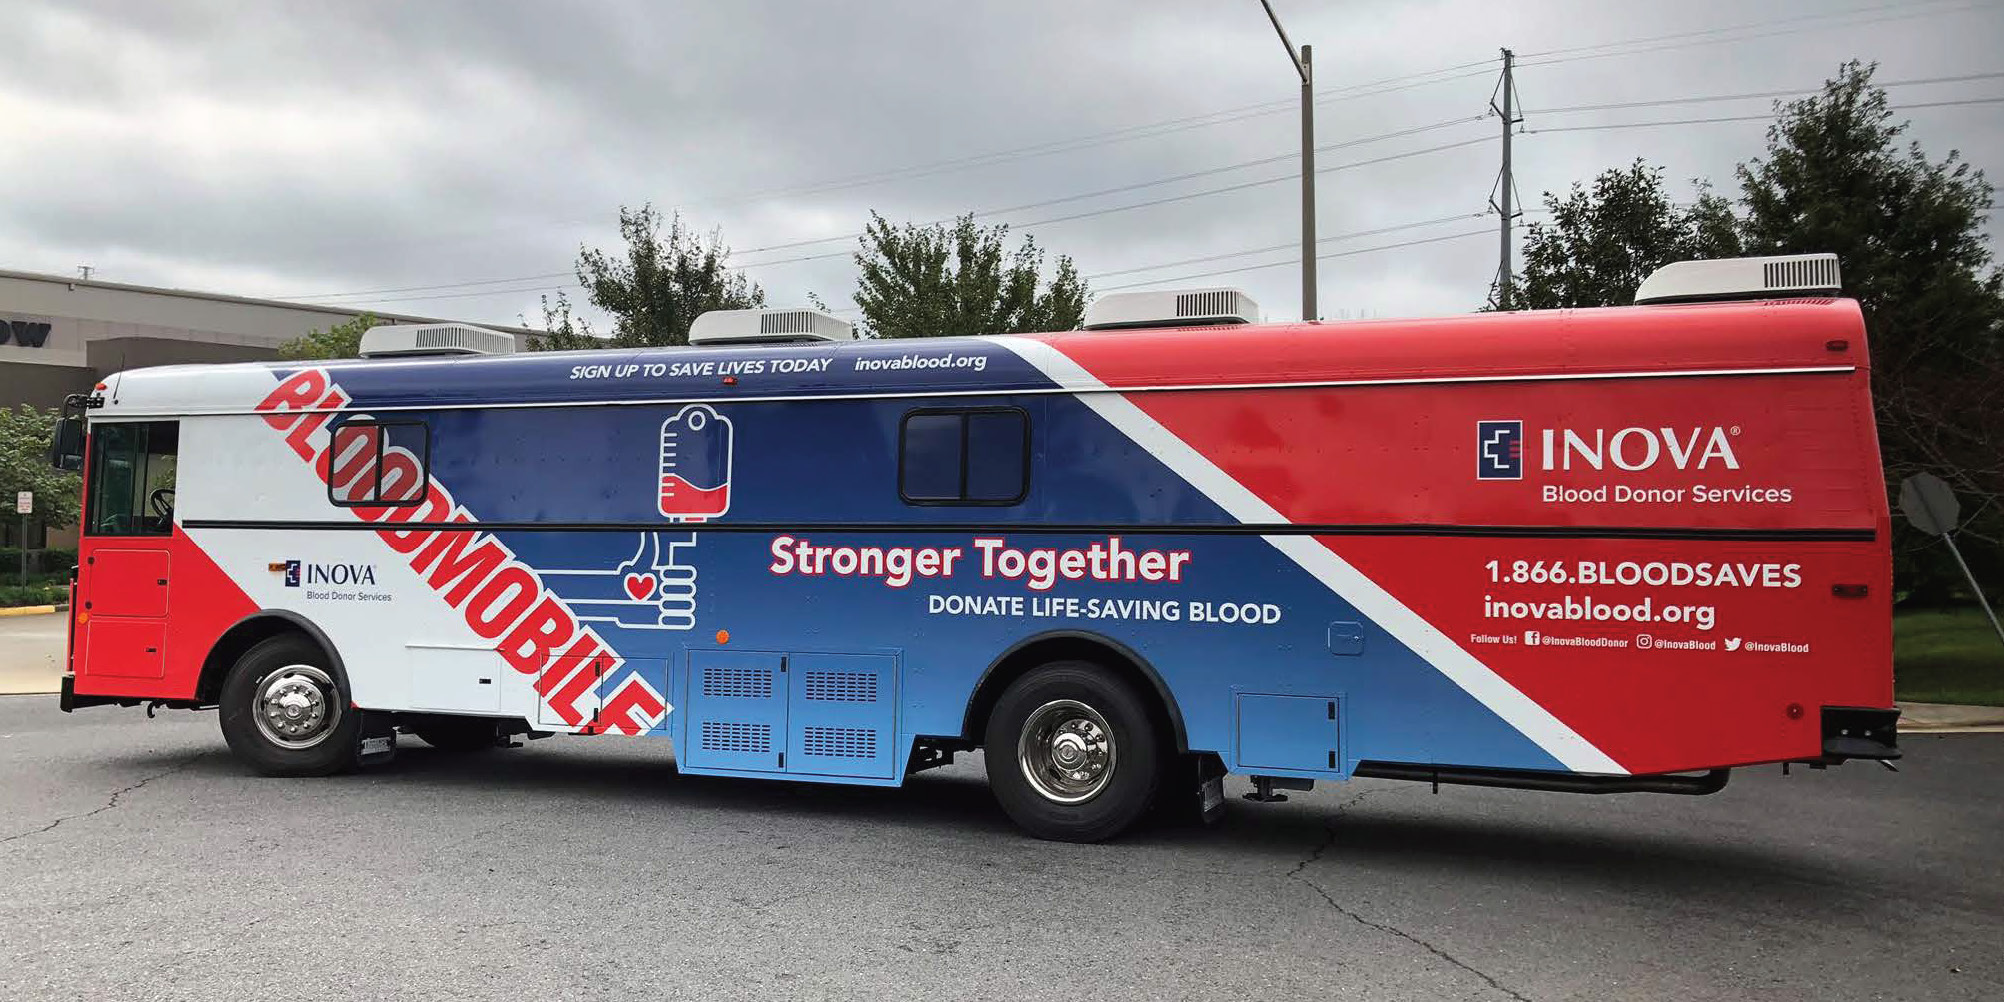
(1353, 586)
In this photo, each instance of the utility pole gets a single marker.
(1506, 183)
(1304, 65)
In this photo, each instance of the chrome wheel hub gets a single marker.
(1066, 751)
(296, 706)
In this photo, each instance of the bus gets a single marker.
(1596, 550)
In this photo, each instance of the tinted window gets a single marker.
(995, 456)
(378, 463)
(132, 478)
(964, 457)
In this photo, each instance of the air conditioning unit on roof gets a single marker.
(1173, 308)
(407, 340)
(1742, 278)
(723, 327)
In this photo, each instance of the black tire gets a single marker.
(333, 743)
(1132, 771)
(457, 734)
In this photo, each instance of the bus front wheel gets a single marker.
(1072, 754)
(285, 711)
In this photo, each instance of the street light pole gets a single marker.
(1304, 65)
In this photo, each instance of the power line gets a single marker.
(1295, 261)
(1573, 108)
(1750, 37)
(1752, 118)
(1822, 15)
(1289, 245)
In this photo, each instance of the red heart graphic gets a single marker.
(640, 586)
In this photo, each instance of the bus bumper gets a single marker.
(1860, 732)
(70, 701)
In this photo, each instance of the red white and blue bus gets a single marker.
(1598, 550)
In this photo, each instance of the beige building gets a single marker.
(61, 335)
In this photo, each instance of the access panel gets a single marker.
(1296, 733)
(842, 715)
(736, 706)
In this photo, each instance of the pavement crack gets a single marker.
(109, 803)
(1315, 855)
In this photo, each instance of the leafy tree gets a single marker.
(1838, 176)
(653, 291)
(931, 280)
(24, 466)
(342, 340)
(1600, 244)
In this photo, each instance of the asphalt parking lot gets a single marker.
(140, 860)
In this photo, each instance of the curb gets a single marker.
(31, 610)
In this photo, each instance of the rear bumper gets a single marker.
(1865, 732)
(70, 701)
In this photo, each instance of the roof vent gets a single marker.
(1742, 278)
(404, 340)
(768, 327)
(1174, 308)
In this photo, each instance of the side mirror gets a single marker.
(66, 447)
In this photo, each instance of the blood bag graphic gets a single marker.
(695, 464)
(655, 587)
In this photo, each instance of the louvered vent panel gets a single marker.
(794, 322)
(839, 742)
(723, 736)
(1206, 304)
(840, 686)
(737, 683)
(1814, 273)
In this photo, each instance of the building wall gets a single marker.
(62, 335)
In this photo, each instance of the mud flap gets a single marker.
(376, 739)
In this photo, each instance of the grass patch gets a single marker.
(1947, 656)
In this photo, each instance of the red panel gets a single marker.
(1739, 642)
(204, 603)
(1636, 339)
(126, 648)
(129, 578)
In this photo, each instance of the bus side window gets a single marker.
(978, 456)
(132, 467)
(378, 463)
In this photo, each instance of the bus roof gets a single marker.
(1714, 338)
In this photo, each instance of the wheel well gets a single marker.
(1024, 657)
(248, 633)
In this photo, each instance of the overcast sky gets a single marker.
(293, 149)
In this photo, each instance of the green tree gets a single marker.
(931, 280)
(24, 466)
(653, 290)
(342, 340)
(1601, 243)
(1839, 176)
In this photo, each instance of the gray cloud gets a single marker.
(291, 149)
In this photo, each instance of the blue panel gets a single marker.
(736, 706)
(1299, 733)
(1346, 638)
(843, 715)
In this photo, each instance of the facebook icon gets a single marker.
(1499, 450)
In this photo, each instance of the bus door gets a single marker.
(123, 555)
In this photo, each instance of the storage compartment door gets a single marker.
(737, 711)
(843, 715)
(459, 679)
(125, 647)
(1292, 733)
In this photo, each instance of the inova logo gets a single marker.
(297, 573)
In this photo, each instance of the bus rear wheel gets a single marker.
(1072, 753)
(284, 710)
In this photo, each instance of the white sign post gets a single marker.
(24, 506)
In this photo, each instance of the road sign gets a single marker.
(24, 503)
(1929, 503)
